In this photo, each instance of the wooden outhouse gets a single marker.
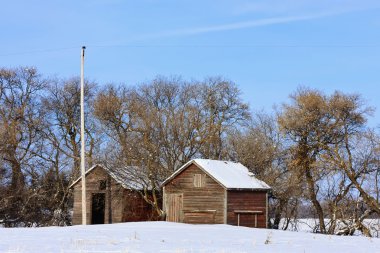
(110, 197)
(215, 192)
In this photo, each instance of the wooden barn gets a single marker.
(111, 197)
(215, 192)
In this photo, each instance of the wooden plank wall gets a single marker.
(200, 204)
(136, 208)
(92, 186)
(175, 202)
(248, 201)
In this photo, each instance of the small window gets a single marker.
(199, 180)
(102, 185)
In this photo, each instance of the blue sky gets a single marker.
(269, 48)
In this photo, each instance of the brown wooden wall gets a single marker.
(196, 205)
(247, 201)
(93, 179)
(135, 208)
(126, 205)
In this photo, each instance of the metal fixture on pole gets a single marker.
(82, 153)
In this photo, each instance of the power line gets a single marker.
(241, 45)
(52, 50)
(39, 51)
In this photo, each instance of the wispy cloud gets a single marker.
(233, 26)
(237, 25)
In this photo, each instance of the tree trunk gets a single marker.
(278, 213)
(18, 178)
(314, 200)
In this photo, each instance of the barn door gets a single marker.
(98, 207)
(174, 207)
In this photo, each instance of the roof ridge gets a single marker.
(230, 174)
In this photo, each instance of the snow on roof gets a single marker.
(130, 177)
(229, 174)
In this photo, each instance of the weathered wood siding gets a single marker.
(126, 205)
(199, 204)
(93, 186)
(135, 208)
(246, 201)
(175, 203)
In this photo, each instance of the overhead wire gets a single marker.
(38, 51)
(52, 50)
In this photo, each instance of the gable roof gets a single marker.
(130, 177)
(229, 174)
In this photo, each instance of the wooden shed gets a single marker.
(215, 192)
(110, 197)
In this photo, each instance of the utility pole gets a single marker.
(82, 151)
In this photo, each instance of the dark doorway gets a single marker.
(98, 207)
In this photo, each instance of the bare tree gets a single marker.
(20, 117)
(305, 122)
(262, 148)
(163, 124)
(223, 111)
(325, 130)
(62, 107)
(62, 141)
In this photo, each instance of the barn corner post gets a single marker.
(163, 204)
(82, 160)
(266, 210)
(109, 198)
(225, 206)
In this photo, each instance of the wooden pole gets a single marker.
(82, 153)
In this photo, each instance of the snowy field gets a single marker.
(310, 225)
(174, 237)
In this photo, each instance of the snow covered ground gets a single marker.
(175, 237)
(309, 225)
